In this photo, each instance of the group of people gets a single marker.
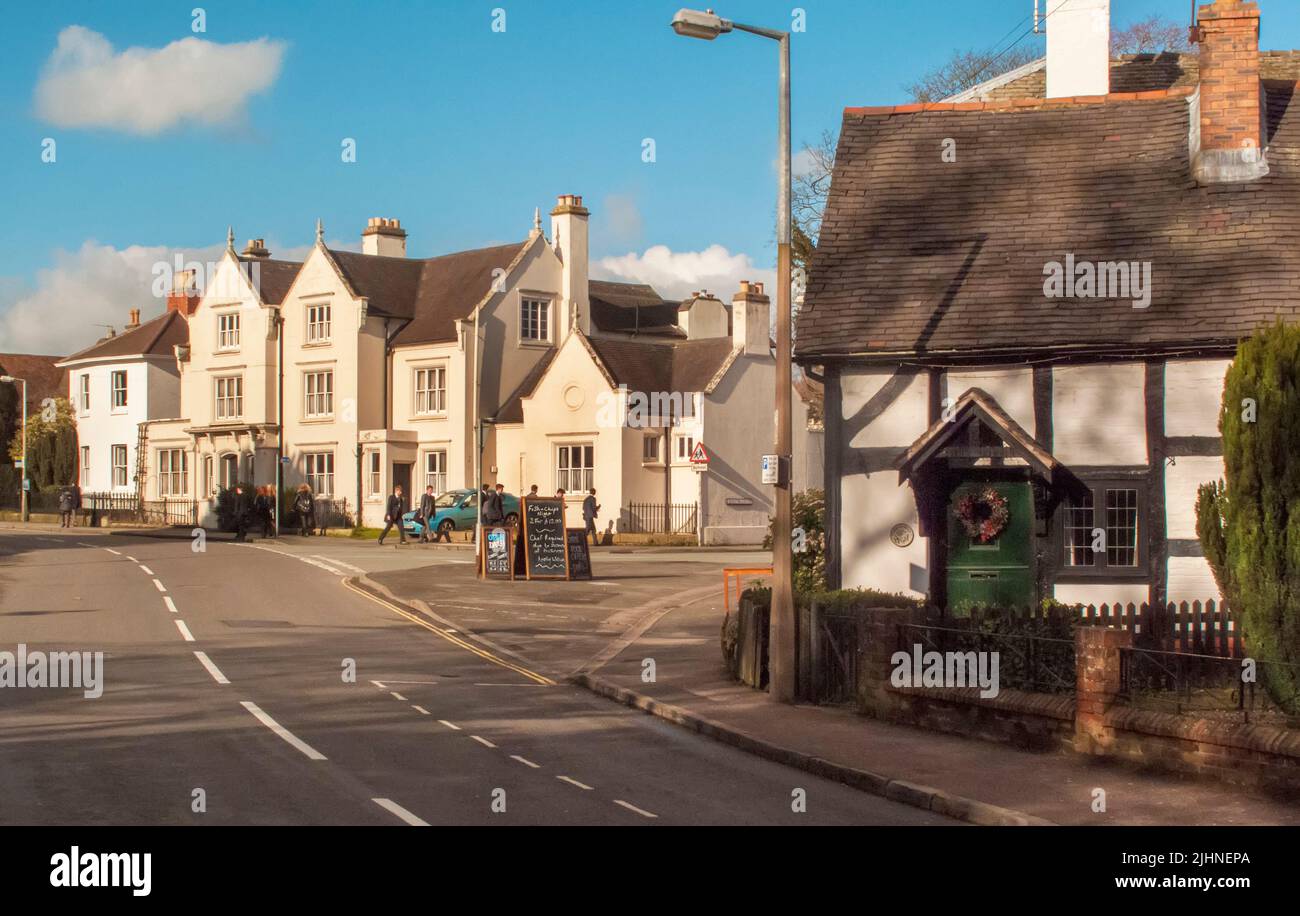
(492, 512)
(260, 511)
(424, 513)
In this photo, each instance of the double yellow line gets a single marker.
(451, 637)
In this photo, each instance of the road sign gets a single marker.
(700, 457)
(771, 469)
(18, 463)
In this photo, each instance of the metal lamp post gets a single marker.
(10, 380)
(782, 654)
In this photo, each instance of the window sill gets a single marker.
(317, 421)
(415, 418)
(534, 344)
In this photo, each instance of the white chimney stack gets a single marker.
(1078, 48)
(385, 237)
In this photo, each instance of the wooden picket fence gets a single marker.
(1199, 627)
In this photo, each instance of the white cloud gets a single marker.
(676, 274)
(86, 83)
(95, 285)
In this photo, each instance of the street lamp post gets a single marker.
(782, 654)
(10, 380)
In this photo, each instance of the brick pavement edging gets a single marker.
(899, 790)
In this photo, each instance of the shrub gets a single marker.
(808, 512)
(1249, 525)
(230, 504)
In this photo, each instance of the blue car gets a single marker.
(456, 510)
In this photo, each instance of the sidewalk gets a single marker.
(603, 640)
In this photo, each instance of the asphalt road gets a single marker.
(225, 672)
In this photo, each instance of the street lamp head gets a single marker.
(696, 24)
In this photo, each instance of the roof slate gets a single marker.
(156, 337)
(922, 256)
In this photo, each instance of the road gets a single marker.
(225, 681)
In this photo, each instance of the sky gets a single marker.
(465, 117)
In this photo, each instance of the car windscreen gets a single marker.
(446, 500)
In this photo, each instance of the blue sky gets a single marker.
(460, 130)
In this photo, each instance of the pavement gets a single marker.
(255, 684)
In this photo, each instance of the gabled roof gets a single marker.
(976, 403)
(643, 365)
(920, 256)
(631, 308)
(512, 411)
(271, 278)
(45, 377)
(153, 338)
(431, 293)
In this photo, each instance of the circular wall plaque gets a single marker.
(901, 535)
(574, 397)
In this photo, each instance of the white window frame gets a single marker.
(319, 323)
(318, 468)
(650, 449)
(435, 471)
(575, 478)
(430, 391)
(229, 478)
(84, 393)
(85, 466)
(318, 398)
(374, 474)
(683, 447)
(114, 400)
(173, 479)
(209, 476)
(120, 471)
(227, 331)
(534, 329)
(230, 399)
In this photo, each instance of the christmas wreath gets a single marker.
(983, 514)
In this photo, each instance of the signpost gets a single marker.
(543, 543)
(579, 553)
(496, 558)
(700, 457)
(771, 469)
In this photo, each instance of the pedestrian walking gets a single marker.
(425, 514)
(393, 513)
(496, 512)
(305, 505)
(264, 505)
(590, 509)
(67, 505)
(532, 491)
(242, 512)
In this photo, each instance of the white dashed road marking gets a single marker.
(483, 741)
(185, 631)
(146, 570)
(212, 669)
(574, 782)
(394, 808)
(526, 762)
(397, 696)
(282, 732)
(112, 551)
(159, 586)
(421, 710)
(640, 811)
(171, 605)
(379, 685)
(454, 728)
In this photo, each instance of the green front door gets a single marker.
(999, 572)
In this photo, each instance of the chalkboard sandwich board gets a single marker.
(579, 554)
(546, 550)
(496, 559)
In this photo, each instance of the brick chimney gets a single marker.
(1228, 113)
(134, 322)
(569, 238)
(256, 249)
(383, 236)
(184, 297)
(751, 323)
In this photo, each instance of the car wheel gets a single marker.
(446, 526)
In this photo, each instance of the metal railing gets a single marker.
(656, 518)
(1037, 664)
(1185, 682)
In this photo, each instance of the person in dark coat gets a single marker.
(265, 509)
(425, 514)
(590, 509)
(496, 510)
(242, 513)
(393, 513)
(305, 505)
(67, 505)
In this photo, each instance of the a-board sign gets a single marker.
(497, 555)
(579, 553)
(546, 550)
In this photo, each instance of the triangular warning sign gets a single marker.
(699, 456)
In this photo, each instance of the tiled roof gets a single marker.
(433, 292)
(631, 308)
(642, 365)
(272, 278)
(918, 255)
(153, 338)
(44, 377)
